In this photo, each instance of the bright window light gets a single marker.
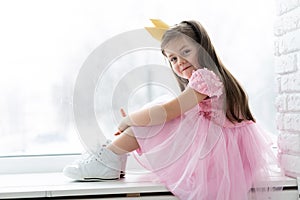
(43, 45)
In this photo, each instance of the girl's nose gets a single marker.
(181, 61)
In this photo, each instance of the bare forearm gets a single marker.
(154, 115)
(160, 114)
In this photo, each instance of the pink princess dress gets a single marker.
(201, 155)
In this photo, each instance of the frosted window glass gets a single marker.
(44, 43)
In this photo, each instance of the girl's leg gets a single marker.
(126, 142)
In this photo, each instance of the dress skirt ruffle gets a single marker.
(193, 165)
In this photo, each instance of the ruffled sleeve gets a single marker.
(206, 82)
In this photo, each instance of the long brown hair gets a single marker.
(236, 108)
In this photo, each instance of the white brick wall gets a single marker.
(287, 69)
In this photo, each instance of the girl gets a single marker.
(205, 143)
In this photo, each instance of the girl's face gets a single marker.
(183, 56)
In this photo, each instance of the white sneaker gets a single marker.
(105, 165)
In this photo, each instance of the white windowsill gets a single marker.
(42, 185)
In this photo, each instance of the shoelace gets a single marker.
(87, 157)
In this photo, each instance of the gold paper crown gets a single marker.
(158, 30)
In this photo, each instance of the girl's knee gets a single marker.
(129, 131)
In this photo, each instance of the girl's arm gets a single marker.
(159, 114)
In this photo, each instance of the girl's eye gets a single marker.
(173, 59)
(186, 52)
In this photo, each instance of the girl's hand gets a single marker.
(123, 125)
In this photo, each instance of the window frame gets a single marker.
(35, 163)
(52, 163)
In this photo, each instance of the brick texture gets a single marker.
(287, 69)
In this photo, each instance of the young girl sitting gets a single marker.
(205, 143)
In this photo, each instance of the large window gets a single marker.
(43, 45)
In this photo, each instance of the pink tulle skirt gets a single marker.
(198, 159)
